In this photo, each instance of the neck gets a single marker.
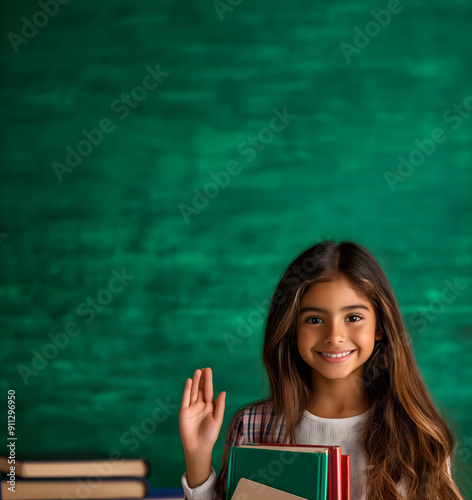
(338, 398)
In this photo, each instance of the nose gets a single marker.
(334, 334)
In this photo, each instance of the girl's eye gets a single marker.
(317, 320)
(355, 316)
(313, 317)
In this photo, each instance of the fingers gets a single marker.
(208, 387)
(220, 407)
(200, 388)
(190, 390)
(186, 394)
(195, 386)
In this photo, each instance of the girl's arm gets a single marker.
(205, 491)
(215, 488)
(200, 420)
(198, 467)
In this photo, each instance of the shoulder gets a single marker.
(260, 412)
(252, 414)
(257, 423)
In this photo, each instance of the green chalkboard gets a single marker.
(163, 162)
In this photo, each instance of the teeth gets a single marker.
(336, 355)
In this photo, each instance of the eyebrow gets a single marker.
(347, 308)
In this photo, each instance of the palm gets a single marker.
(200, 417)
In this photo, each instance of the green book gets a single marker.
(302, 473)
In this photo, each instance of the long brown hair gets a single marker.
(405, 436)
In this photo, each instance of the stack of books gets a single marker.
(37, 478)
(288, 472)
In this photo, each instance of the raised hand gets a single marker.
(200, 417)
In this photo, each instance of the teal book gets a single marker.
(299, 472)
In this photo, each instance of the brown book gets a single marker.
(249, 490)
(54, 466)
(43, 489)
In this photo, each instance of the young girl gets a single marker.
(341, 372)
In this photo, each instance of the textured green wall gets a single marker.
(201, 259)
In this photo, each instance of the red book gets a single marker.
(337, 483)
(346, 476)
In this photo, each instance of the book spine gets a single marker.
(323, 494)
(336, 474)
(346, 466)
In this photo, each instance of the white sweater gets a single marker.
(342, 432)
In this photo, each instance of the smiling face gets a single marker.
(334, 319)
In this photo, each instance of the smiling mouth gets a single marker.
(333, 355)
